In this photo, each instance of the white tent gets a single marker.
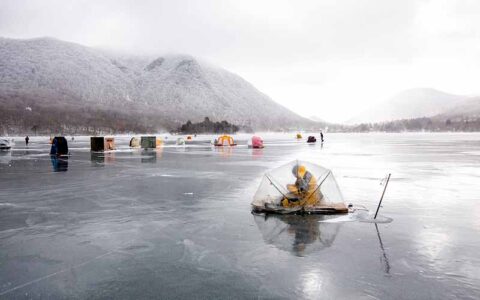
(320, 192)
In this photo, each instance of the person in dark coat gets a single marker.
(26, 140)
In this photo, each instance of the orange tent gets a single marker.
(225, 140)
(159, 142)
(109, 144)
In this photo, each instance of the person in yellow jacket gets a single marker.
(304, 191)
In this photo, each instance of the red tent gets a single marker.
(257, 142)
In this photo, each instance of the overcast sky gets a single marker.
(325, 58)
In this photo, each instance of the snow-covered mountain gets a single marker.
(53, 74)
(409, 104)
(466, 109)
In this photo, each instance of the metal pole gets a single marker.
(381, 198)
(271, 182)
(328, 173)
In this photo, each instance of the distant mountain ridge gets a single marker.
(467, 109)
(417, 103)
(70, 80)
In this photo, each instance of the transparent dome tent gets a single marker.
(299, 187)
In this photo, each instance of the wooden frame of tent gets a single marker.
(337, 208)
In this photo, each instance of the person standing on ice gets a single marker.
(26, 140)
(321, 136)
(304, 191)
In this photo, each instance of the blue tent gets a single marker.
(59, 146)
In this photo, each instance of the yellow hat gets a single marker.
(301, 170)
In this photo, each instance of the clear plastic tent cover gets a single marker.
(273, 187)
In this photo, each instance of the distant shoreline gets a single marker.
(306, 133)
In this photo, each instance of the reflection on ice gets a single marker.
(102, 158)
(225, 151)
(312, 284)
(257, 153)
(97, 158)
(384, 258)
(299, 234)
(149, 156)
(5, 156)
(59, 164)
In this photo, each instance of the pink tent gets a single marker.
(257, 142)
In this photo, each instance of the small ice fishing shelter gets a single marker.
(97, 143)
(299, 136)
(134, 142)
(5, 144)
(59, 146)
(311, 139)
(225, 140)
(110, 143)
(148, 142)
(257, 142)
(159, 142)
(299, 186)
(100, 143)
(180, 141)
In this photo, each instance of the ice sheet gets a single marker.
(176, 222)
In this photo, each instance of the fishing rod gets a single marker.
(271, 182)
(321, 182)
(381, 198)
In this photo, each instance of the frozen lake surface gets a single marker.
(176, 222)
